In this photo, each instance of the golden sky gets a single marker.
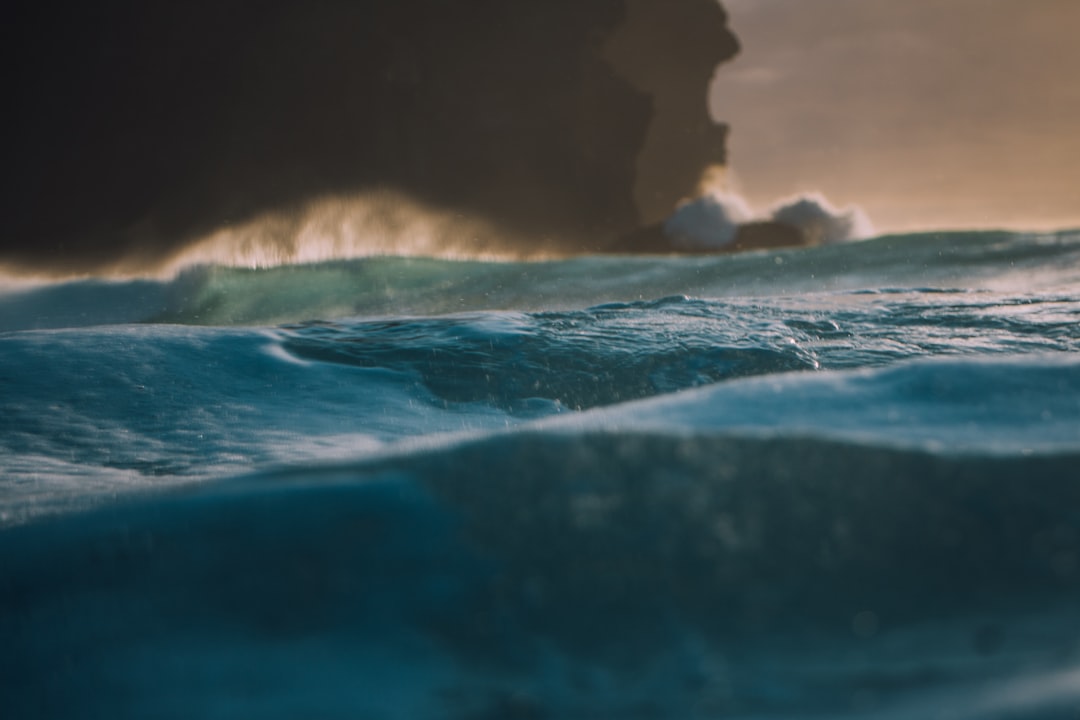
(927, 113)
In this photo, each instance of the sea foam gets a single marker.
(712, 220)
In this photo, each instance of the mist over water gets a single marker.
(347, 227)
(390, 225)
(711, 221)
(369, 225)
(364, 225)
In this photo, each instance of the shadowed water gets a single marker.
(836, 482)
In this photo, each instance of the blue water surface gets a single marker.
(832, 482)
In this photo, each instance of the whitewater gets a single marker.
(828, 482)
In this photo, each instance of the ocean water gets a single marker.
(820, 483)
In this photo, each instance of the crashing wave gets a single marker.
(714, 220)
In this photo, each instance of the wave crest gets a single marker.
(380, 223)
(712, 220)
(344, 227)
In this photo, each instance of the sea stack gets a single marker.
(138, 126)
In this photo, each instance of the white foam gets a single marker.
(711, 220)
(820, 221)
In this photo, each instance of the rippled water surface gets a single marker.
(833, 482)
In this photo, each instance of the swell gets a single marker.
(220, 295)
(1000, 261)
(601, 356)
(596, 552)
(91, 412)
(617, 352)
(721, 512)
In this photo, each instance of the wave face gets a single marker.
(829, 482)
(230, 295)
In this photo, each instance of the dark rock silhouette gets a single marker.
(134, 126)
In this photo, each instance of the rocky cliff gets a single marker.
(135, 125)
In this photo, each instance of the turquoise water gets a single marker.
(831, 482)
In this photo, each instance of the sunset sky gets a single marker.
(927, 113)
